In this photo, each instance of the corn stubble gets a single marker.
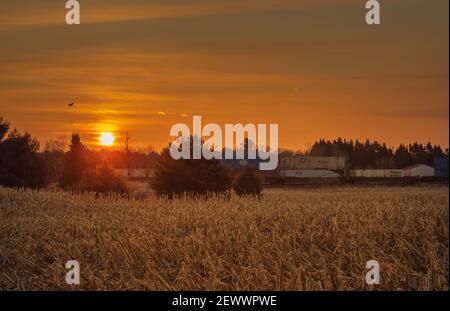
(316, 239)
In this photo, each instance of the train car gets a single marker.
(394, 173)
(309, 174)
(441, 167)
(312, 163)
(134, 173)
(387, 173)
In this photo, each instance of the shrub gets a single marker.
(249, 182)
(101, 180)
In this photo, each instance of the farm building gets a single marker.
(419, 170)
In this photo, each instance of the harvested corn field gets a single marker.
(299, 239)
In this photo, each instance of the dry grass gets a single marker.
(313, 239)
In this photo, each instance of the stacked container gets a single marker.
(441, 167)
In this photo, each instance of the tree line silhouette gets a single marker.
(375, 155)
(23, 164)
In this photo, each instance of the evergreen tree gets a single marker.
(75, 162)
(20, 163)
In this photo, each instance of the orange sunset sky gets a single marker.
(312, 66)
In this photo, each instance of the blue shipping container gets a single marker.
(440, 173)
(240, 164)
(441, 167)
(441, 164)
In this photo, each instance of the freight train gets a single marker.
(296, 169)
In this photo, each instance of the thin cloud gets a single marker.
(24, 15)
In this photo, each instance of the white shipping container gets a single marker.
(376, 173)
(309, 174)
(311, 163)
(134, 172)
(365, 173)
(394, 173)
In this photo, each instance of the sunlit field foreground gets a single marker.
(312, 239)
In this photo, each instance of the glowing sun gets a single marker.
(106, 139)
